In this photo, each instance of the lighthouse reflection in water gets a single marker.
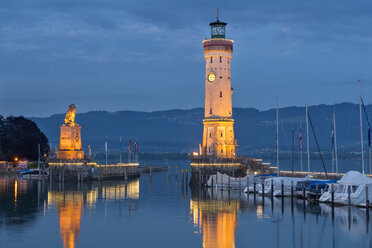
(214, 215)
(162, 212)
(70, 204)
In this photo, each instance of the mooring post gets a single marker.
(367, 200)
(182, 176)
(367, 206)
(254, 186)
(303, 190)
(150, 170)
(240, 184)
(187, 177)
(229, 183)
(348, 195)
(176, 172)
(199, 178)
(247, 183)
(316, 192)
(332, 197)
(169, 172)
(272, 188)
(292, 189)
(282, 188)
(263, 187)
(50, 175)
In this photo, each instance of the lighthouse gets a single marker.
(218, 132)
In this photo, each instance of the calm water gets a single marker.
(160, 213)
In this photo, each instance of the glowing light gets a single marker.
(195, 154)
(16, 159)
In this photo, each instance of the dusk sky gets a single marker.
(148, 55)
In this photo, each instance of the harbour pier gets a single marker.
(81, 170)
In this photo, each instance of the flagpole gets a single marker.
(129, 144)
(277, 137)
(301, 162)
(120, 150)
(307, 140)
(106, 149)
(361, 126)
(336, 159)
(333, 151)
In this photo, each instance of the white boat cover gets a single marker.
(222, 181)
(356, 183)
(277, 185)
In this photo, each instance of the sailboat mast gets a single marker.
(336, 160)
(307, 140)
(301, 147)
(361, 125)
(277, 136)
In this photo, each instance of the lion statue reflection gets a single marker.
(70, 116)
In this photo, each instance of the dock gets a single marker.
(81, 170)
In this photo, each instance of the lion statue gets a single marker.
(70, 116)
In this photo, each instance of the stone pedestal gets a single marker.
(70, 147)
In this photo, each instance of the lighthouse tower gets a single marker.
(218, 134)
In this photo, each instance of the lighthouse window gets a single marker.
(220, 93)
(228, 77)
(210, 135)
(221, 151)
(211, 60)
(228, 61)
(210, 111)
(221, 135)
(220, 59)
(220, 76)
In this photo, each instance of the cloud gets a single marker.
(148, 47)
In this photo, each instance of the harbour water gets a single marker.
(162, 212)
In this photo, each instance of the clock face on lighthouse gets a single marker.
(211, 77)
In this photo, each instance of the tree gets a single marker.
(20, 138)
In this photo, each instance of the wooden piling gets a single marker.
(282, 188)
(348, 195)
(272, 188)
(187, 176)
(367, 206)
(292, 189)
(332, 197)
(182, 176)
(50, 175)
(169, 172)
(229, 183)
(198, 178)
(316, 192)
(303, 190)
(254, 186)
(176, 172)
(367, 200)
(150, 168)
(240, 184)
(263, 187)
